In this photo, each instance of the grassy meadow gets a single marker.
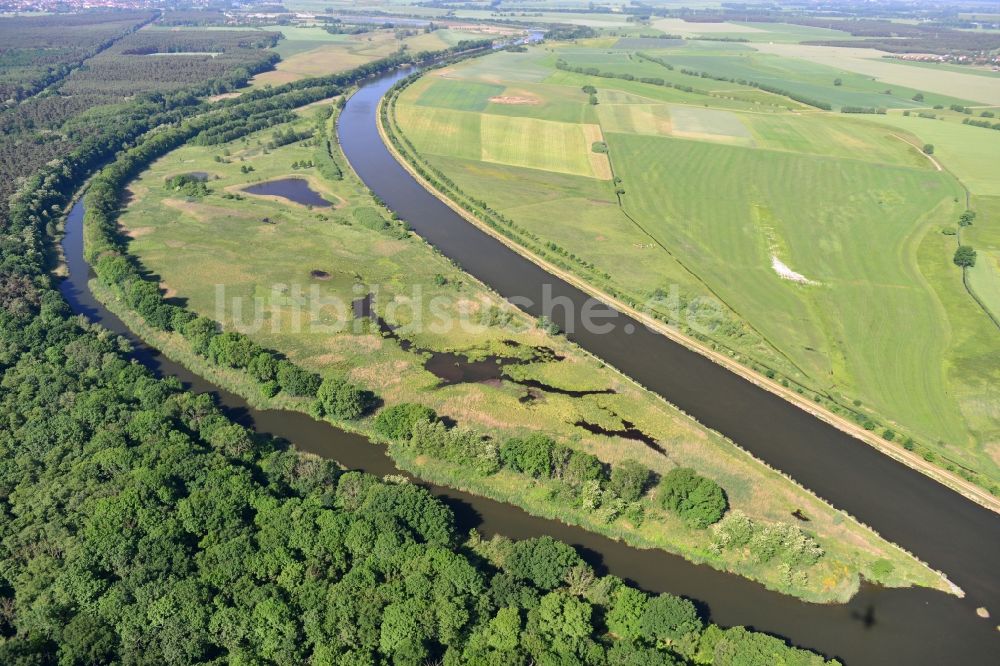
(288, 264)
(818, 235)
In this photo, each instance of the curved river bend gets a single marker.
(877, 626)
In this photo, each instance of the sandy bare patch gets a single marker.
(175, 243)
(993, 451)
(217, 98)
(328, 359)
(202, 212)
(275, 78)
(786, 273)
(168, 291)
(139, 232)
(515, 100)
(356, 343)
(380, 375)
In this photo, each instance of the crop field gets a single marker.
(541, 144)
(807, 78)
(984, 277)
(801, 209)
(460, 96)
(969, 152)
(694, 123)
(818, 235)
(755, 32)
(311, 51)
(955, 82)
(272, 261)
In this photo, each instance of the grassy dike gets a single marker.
(188, 242)
(854, 421)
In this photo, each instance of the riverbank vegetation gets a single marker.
(537, 418)
(662, 240)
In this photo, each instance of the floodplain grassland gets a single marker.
(258, 249)
(867, 311)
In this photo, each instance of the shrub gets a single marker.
(531, 455)
(233, 350)
(263, 367)
(697, 500)
(338, 398)
(582, 467)
(965, 256)
(296, 381)
(629, 480)
(396, 422)
(199, 332)
(789, 544)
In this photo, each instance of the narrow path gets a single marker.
(937, 165)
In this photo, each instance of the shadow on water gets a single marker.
(915, 626)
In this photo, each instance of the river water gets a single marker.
(877, 626)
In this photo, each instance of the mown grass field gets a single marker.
(308, 50)
(717, 189)
(266, 252)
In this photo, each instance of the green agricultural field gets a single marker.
(984, 236)
(276, 270)
(754, 32)
(810, 79)
(817, 235)
(804, 211)
(540, 144)
(954, 81)
(968, 152)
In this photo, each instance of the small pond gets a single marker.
(293, 189)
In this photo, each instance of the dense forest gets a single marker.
(169, 59)
(68, 77)
(138, 524)
(35, 52)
